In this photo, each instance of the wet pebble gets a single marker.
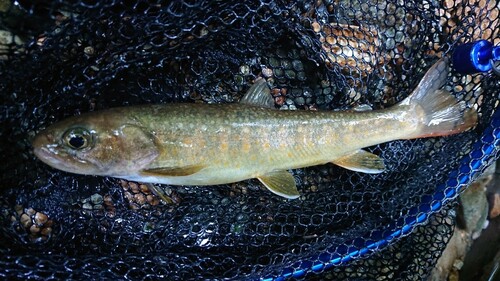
(239, 80)
(98, 207)
(278, 72)
(34, 229)
(25, 221)
(134, 187)
(300, 101)
(290, 74)
(19, 209)
(109, 206)
(148, 227)
(280, 100)
(302, 76)
(237, 228)
(267, 72)
(225, 201)
(203, 31)
(320, 100)
(273, 62)
(46, 231)
(245, 69)
(30, 211)
(152, 200)
(36, 224)
(293, 54)
(390, 43)
(144, 189)
(140, 198)
(297, 65)
(89, 50)
(241, 217)
(96, 199)
(281, 53)
(316, 26)
(286, 64)
(41, 218)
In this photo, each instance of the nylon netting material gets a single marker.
(81, 56)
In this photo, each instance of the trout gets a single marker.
(211, 144)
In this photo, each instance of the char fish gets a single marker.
(210, 144)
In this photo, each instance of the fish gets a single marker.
(210, 144)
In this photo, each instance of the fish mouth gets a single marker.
(47, 151)
(47, 156)
(57, 159)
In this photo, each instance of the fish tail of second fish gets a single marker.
(437, 112)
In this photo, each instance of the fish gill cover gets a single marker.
(63, 58)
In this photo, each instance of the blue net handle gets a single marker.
(484, 152)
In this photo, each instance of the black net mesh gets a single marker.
(62, 58)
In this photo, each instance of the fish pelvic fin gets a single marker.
(281, 183)
(361, 161)
(437, 111)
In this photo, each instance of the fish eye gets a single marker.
(77, 138)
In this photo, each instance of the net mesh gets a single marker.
(62, 58)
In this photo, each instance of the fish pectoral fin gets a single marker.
(361, 161)
(156, 190)
(281, 183)
(259, 95)
(173, 171)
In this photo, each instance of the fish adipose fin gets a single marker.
(173, 171)
(437, 111)
(361, 161)
(259, 95)
(281, 183)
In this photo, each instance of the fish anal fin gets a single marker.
(281, 183)
(259, 95)
(173, 171)
(361, 161)
(362, 107)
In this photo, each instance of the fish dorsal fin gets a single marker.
(259, 95)
(281, 183)
(173, 171)
(361, 161)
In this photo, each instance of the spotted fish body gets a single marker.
(200, 144)
(236, 142)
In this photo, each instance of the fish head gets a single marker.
(96, 144)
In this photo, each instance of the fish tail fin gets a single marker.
(437, 111)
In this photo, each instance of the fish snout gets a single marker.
(41, 144)
(43, 138)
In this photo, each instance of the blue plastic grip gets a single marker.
(475, 57)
